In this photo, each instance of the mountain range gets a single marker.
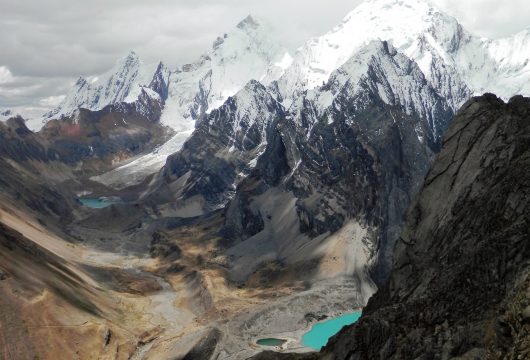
(252, 191)
(455, 63)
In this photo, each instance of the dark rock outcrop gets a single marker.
(116, 131)
(23, 155)
(211, 162)
(162, 247)
(19, 144)
(462, 262)
(206, 347)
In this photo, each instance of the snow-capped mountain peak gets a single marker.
(123, 83)
(249, 51)
(248, 22)
(513, 51)
(372, 20)
(455, 62)
(379, 69)
(6, 114)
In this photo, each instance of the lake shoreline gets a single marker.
(293, 341)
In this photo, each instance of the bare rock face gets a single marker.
(460, 284)
(119, 129)
(205, 347)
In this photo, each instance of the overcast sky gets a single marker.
(46, 44)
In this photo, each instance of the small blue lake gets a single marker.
(271, 342)
(320, 333)
(96, 203)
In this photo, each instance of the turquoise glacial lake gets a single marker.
(96, 203)
(320, 333)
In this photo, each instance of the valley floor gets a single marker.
(143, 307)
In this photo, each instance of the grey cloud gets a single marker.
(490, 18)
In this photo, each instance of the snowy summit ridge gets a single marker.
(247, 52)
(123, 83)
(454, 61)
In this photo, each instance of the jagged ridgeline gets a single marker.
(454, 62)
(252, 192)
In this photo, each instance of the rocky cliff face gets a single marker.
(30, 171)
(109, 135)
(459, 288)
(459, 284)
